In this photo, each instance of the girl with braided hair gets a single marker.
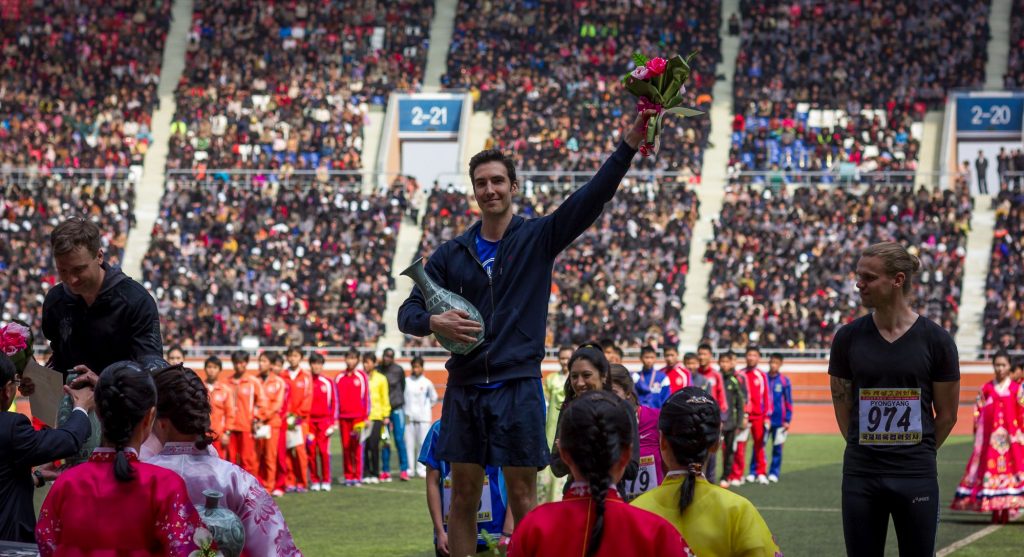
(183, 426)
(596, 444)
(715, 521)
(155, 516)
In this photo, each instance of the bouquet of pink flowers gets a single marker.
(16, 343)
(659, 85)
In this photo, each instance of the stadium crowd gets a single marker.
(288, 261)
(272, 85)
(549, 70)
(781, 273)
(804, 98)
(79, 83)
(1004, 289)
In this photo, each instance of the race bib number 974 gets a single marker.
(890, 416)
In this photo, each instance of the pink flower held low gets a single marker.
(641, 72)
(657, 66)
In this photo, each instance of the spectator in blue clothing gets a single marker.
(782, 413)
(652, 386)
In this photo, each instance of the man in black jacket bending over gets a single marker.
(22, 447)
(493, 411)
(97, 315)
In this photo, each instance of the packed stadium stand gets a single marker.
(549, 70)
(1004, 291)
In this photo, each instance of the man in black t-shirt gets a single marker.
(895, 379)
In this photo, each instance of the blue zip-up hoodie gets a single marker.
(514, 300)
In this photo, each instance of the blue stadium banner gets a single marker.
(429, 115)
(989, 115)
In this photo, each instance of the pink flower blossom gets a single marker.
(13, 338)
(657, 66)
(641, 72)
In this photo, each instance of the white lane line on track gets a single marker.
(968, 540)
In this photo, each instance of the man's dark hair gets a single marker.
(239, 356)
(777, 355)
(648, 350)
(705, 346)
(352, 352)
(389, 352)
(370, 356)
(294, 349)
(75, 232)
(689, 356)
(416, 360)
(215, 361)
(669, 348)
(316, 358)
(753, 348)
(491, 155)
(727, 354)
(7, 370)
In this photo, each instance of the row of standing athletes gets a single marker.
(756, 405)
(277, 424)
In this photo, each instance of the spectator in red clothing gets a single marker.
(353, 410)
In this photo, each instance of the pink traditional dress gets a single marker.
(266, 533)
(151, 515)
(994, 479)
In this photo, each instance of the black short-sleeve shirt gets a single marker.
(892, 387)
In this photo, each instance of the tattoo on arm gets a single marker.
(842, 391)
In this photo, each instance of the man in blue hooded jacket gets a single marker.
(493, 412)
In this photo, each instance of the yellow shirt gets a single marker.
(718, 522)
(380, 403)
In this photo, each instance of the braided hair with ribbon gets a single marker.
(691, 423)
(183, 399)
(597, 429)
(124, 395)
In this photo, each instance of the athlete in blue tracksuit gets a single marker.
(782, 412)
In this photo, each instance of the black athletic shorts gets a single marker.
(494, 426)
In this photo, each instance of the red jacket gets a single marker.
(759, 399)
(678, 377)
(325, 398)
(300, 392)
(353, 395)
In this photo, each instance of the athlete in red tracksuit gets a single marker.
(759, 407)
(293, 472)
(322, 415)
(678, 375)
(353, 408)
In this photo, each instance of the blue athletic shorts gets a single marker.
(501, 426)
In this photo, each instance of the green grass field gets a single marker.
(802, 510)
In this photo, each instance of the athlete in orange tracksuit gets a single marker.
(248, 397)
(353, 409)
(293, 474)
(222, 405)
(322, 415)
(274, 392)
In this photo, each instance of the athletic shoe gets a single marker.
(404, 476)
(290, 489)
(750, 478)
(773, 478)
(301, 490)
(371, 480)
(315, 486)
(736, 483)
(277, 493)
(385, 477)
(325, 487)
(762, 479)
(724, 484)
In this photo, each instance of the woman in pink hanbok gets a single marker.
(113, 504)
(994, 479)
(183, 426)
